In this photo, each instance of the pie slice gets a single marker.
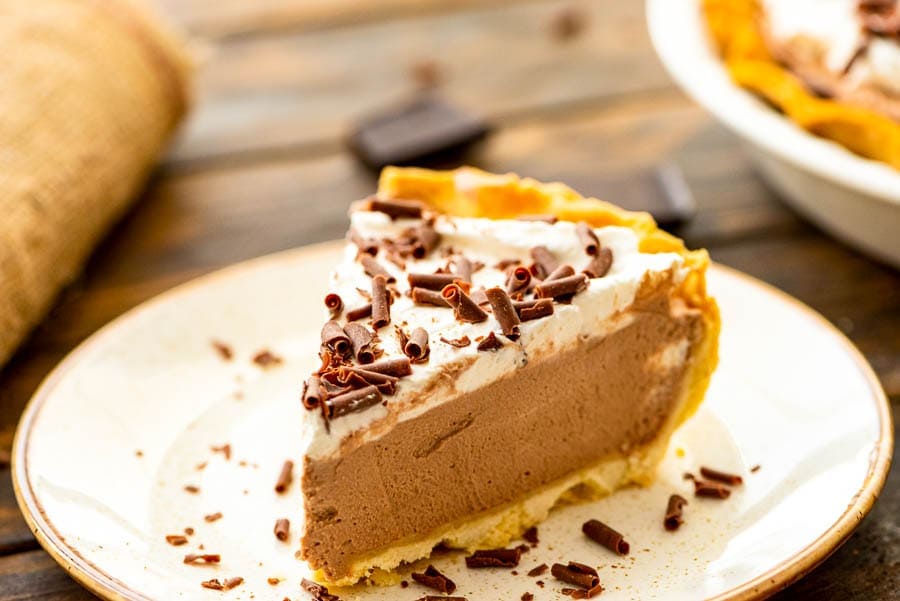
(479, 367)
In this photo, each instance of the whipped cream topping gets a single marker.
(835, 25)
(598, 310)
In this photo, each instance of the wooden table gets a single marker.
(261, 167)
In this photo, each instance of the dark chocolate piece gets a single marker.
(457, 342)
(504, 312)
(229, 584)
(581, 593)
(368, 246)
(213, 517)
(755, 468)
(602, 534)
(176, 540)
(266, 358)
(416, 348)
(674, 513)
(372, 268)
(723, 477)
(494, 558)
(285, 477)
(381, 305)
(534, 309)
(334, 303)
(223, 349)
(350, 402)
(397, 367)
(431, 281)
(318, 591)
(576, 573)
(587, 237)
(463, 268)
(479, 297)
(425, 239)
(359, 312)
(335, 338)
(600, 264)
(531, 535)
(563, 271)
(538, 570)
(544, 262)
(527, 597)
(361, 340)
(561, 288)
(518, 281)
(490, 343)
(312, 394)
(432, 578)
(551, 219)
(711, 490)
(202, 558)
(395, 208)
(424, 296)
(464, 308)
(282, 529)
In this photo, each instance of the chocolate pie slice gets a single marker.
(478, 367)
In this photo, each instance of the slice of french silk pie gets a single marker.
(493, 345)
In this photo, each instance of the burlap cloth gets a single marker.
(90, 91)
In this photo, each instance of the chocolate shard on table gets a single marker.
(505, 306)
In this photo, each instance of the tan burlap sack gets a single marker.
(90, 91)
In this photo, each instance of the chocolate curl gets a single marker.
(561, 288)
(600, 264)
(282, 529)
(312, 394)
(398, 367)
(431, 281)
(334, 338)
(426, 240)
(494, 558)
(285, 477)
(544, 262)
(479, 297)
(674, 513)
(457, 342)
(359, 312)
(202, 558)
(416, 348)
(351, 402)
(395, 209)
(563, 271)
(504, 312)
(334, 304)
(381, 302)
(490, 343)
(373, 268)
(464, 308)
(367, 246)
(463, 268)
(534, 309)
(551, 219)
(518, 280)
(723, 477)
(602, 534)
(368, 377)
(361, 339)
(432, 578)
(424, 296)
(576, 573)
(587, 237)
(712, 490)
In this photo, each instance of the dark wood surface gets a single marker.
(261, 166)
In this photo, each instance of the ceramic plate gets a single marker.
(115, 434)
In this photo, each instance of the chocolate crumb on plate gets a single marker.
(202, 558)
(457, 342)
(213, 517)
(538, 570)
(674, 513)
(531, 535)
(711, 490)
(581, 593)
(189, 531)
(494, 558)
(223, 349)
(602, 534)
(490, 343)
(191, 488)
(282, 529)
(318, 591)
(225, 449)
(229, 584)
(432, 578)
(720, 476)
(273, 581)
(285, 477)
(576, 573)
(266, 358)
(176, 540)
(755, 468)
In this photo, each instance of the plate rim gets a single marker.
(99, 582)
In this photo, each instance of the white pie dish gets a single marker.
(856, 199)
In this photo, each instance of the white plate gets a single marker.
(855, 198)
(791, 395)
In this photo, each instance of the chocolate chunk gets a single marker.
(464, 308)
(561, 288)
(600, 264)
(551, 219)
(600, 533)
(463, 268)
(312, 394)
(432, 578)
(587, 237)
(576, 573)
(266, 358)
(334, 304)
(674, 512)
(368, 246)
(723, 477)
(397, 367)
(359, 312)
(712, 490)
(192, 489)
(425, 240)
(755, 468)
(531, 535)
(176, 540)
(527, 597)
(381, 305)
(431, 281)
(202, 558)
(457, 342)
(318, 591)
(282, 529)
(223, 349)
(544, 262)
(396, 209)
(504, 312)
(494, 558)
(563, 271)
(372, 268)
(534, 309)
(213, 517)
(229, 584)
(424, 296)
(426, 128)
(285, 477)
(538, 570)
(350, 402)
(416, 348)
(490, 343)
(361, 340)
(518, 281)
(335, 338)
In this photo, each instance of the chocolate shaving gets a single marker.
(723, 477)
(362, 377)
(335, 338)
(425, 239)
(368, 246)
(490, 343)
(464, 308)
(457, 342)
(551, 219)
(580, 593)
(494, 558)
(602, 534)
(416, 348)
(361, 340)
(755, 468)
(463, 268)
(504, 312)
(600, 264)
(563, 271)
(176, 540)
(576, 573)
(397, 367)
(711, 490)
(531, 535)
(534, 309)
(538, 570)
(202, 558)
(312, 394)
(229, 584)
(431, 281)
(213, 517)
(424, 296)
(225, 449)
(381, 303)
(266, 358)
(674, 513)
(282, 529)
(518, 281)
(318, 592)
(350, 402)
(285, 477)
(396, 209)
(544, 262)
(334, 304)
(587, 237)
(373, 268)
(359, 312)
(562, 288)
(191, 488)
(432, 578)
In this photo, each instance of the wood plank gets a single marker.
(298, 92)
(35, 576)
